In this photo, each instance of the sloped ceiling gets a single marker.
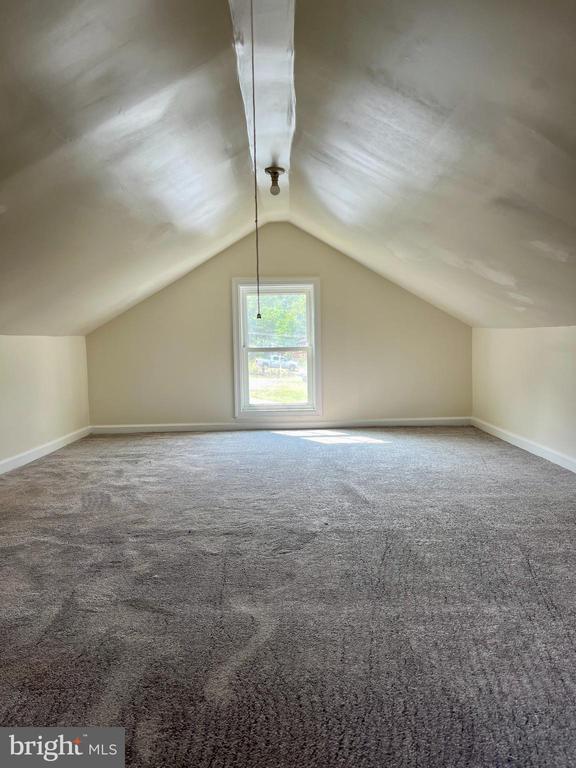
(124, 157)
(435, 142)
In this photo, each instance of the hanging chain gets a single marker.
(258, 316)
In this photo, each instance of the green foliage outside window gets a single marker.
(283, 322)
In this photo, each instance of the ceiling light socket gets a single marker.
(274, 171)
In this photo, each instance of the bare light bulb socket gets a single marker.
(274, 171)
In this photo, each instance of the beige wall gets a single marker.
(43, 390)
(525, 383)
(385, 353)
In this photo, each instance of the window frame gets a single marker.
(242, 287)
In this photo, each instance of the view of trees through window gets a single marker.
(283, 322)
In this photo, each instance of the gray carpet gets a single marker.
(377, 599)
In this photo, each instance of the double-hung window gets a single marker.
(276, 356)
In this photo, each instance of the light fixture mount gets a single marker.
(274, 171)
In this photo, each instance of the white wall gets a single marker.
(385, 353)
(524, 382)
(43, 392)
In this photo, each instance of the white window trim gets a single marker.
(285, 413)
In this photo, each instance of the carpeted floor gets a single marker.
(357, 599)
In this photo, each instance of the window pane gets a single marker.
(284, 321)
(278, 379)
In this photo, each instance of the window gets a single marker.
(276, 356)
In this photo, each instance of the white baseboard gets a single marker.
(13, 462)
(434, 421)
(568, 462)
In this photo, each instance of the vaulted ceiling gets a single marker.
(432, 140)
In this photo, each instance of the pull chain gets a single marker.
(258, 315)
